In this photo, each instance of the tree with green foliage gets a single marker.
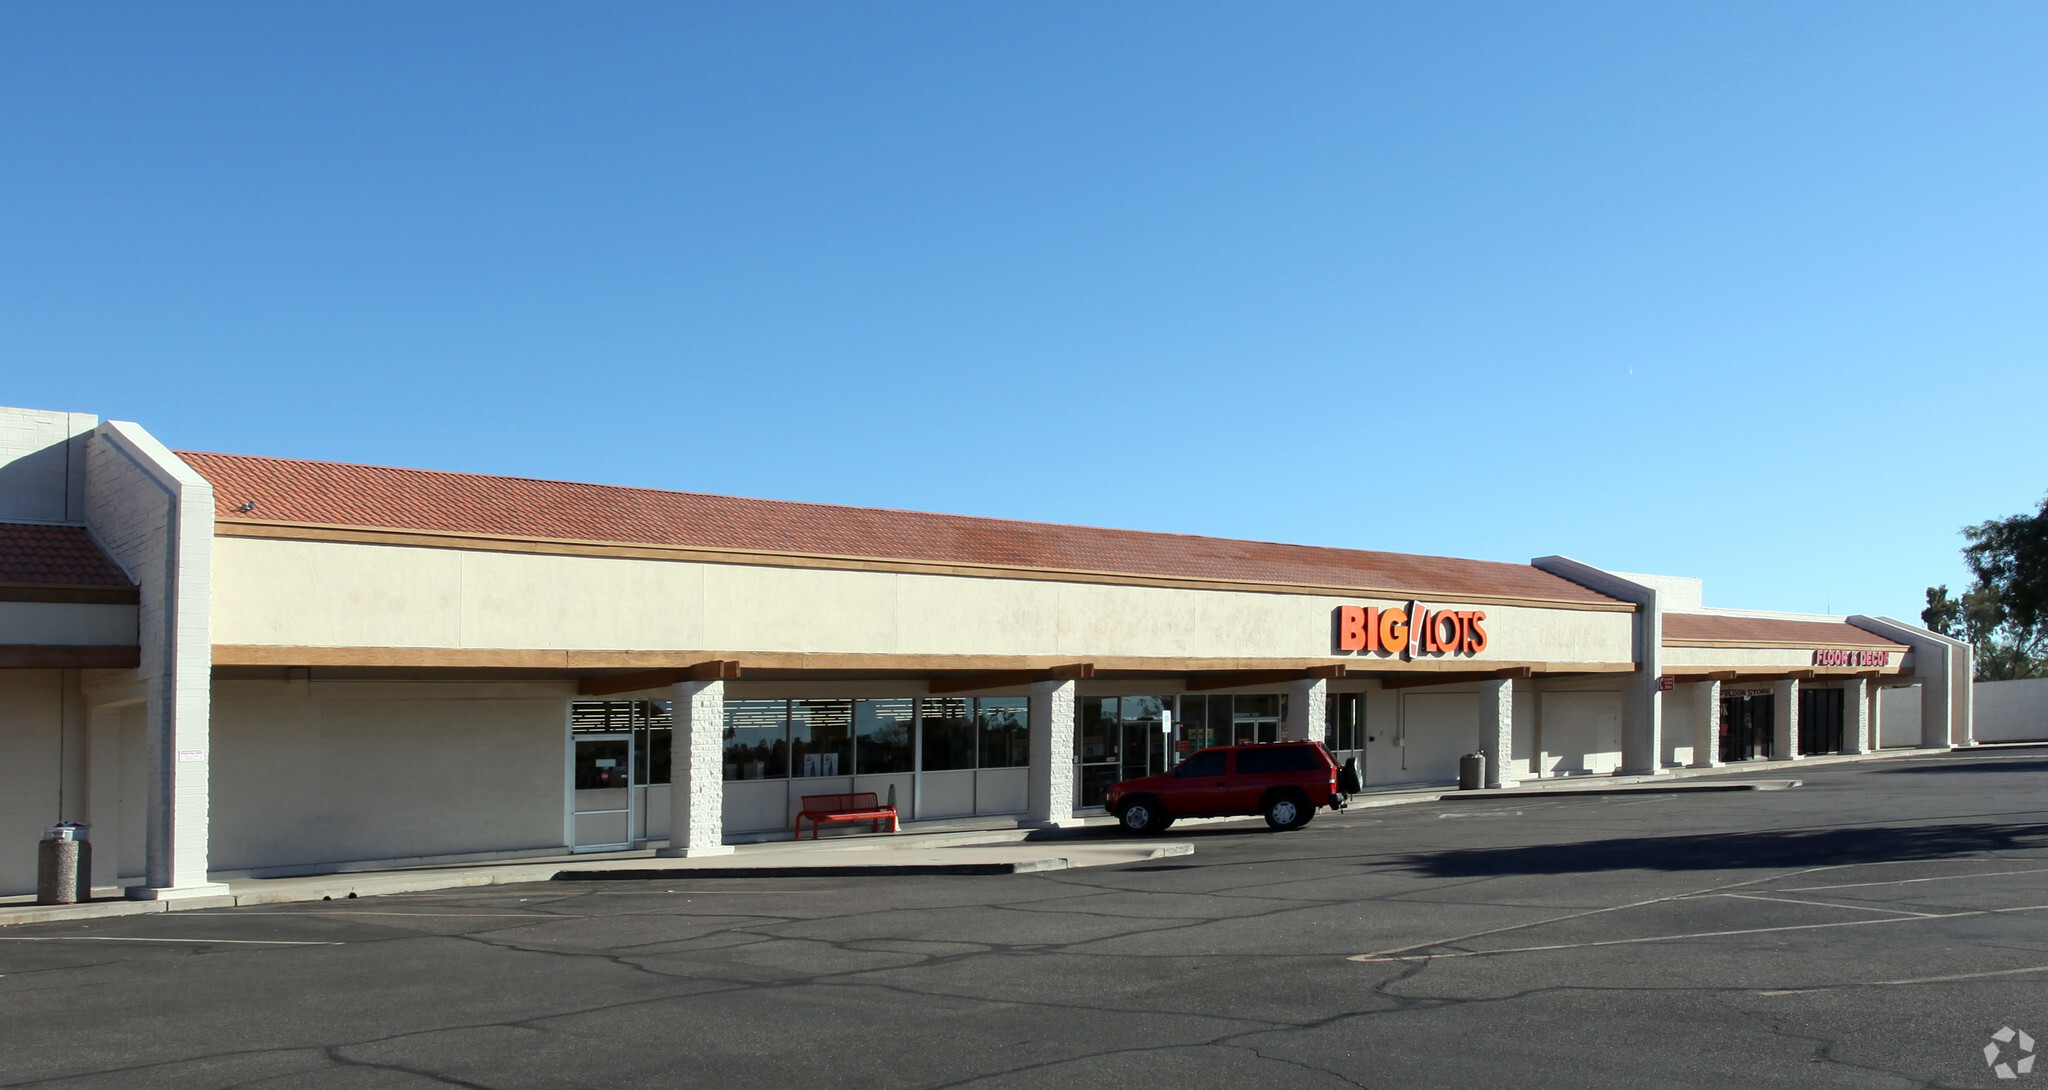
(2004, 615)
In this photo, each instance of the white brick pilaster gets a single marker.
(1308, 703)
(1052, 753)
(1497, 729)
(1785, 719)
(1706, 724)
(1876, 714)
(1856, 715)
(696, 774)
(154, 515)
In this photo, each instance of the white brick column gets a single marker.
(1856, 715)
(1876, 714)
(1785, 719)
(1052, 753)
(1497, 729)
(154, 515)
(696, 771)
(1308, 703)
(1706, 724)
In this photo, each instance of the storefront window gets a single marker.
(651, 744)
(756, 739)
(1005, 726)
(646, 720)
(948, 735)
(821, 737)
(885, 728)
(1346, 727)
(1096, 735)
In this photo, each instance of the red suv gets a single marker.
(1287, 782)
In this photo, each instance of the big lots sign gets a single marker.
(1416, 630)
(1852, 658)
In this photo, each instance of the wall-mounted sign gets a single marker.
(1852, 658)
(1666, 683)
(1417, 630)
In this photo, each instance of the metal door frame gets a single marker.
(569, 811)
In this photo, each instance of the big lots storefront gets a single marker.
(261, 665)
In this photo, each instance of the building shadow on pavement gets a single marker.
(1734, 851)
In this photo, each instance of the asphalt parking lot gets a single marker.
(1873, 928)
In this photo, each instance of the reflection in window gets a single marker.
(948, 735)
(821, 737)
(1096, 735)
(646, 720)
(756, 739)
(885, 728)
(1005, 725)
(1346, 727)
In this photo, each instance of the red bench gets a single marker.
(855, 806)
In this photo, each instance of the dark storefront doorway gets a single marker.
(1820, 720)
(1746, 727)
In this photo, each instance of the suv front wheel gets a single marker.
(1287, 810)
(1142, 815)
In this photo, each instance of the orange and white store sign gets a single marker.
(1416, 630)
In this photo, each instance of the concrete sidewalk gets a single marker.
(984, 850)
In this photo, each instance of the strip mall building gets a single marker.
(233, 665)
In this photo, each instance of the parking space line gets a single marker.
(1822, 904)
(1916, 980)
(1909, 881)
(1402, 955)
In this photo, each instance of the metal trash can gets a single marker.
(64, 865)
(1472, 772)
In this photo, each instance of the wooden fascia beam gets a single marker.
(713, 670)
(1237, 679)
(1716, 675)
(1416, 681)
(1009, 679)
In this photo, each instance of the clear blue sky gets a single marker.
(1752, 292)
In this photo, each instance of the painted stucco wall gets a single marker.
(1899, 717)
(1678, 659)
(29, 738)
(333, 772)
(1678, 727)
(1581, 732)
(325, 594)
(2011, 711)
(42, 464)
(70, 624)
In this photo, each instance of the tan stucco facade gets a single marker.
(313, 594)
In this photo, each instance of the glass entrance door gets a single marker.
(1820, 720)
(600, 792)
(1747, 726)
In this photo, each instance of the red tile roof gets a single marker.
(1682, 627)
(336, 494)
(54, 556)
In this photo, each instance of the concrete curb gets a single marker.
(871, 870)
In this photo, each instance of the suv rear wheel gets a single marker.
(1287, 810)
(1142, 815)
